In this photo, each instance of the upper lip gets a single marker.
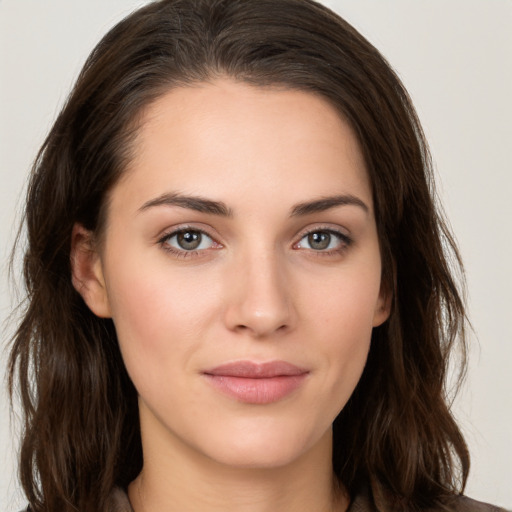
(255, 370)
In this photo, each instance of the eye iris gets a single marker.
(189, 240)
(319, 240)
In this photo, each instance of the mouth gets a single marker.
(256, 383)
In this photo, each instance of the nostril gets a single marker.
(259, 303)
(260, 330)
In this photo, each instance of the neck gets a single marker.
(177, 478)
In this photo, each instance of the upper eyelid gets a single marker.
(168, 233)
(323, 227)
(175, 232)
(164, 242)
(343, 238)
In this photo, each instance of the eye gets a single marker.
(323, 240)
(188, 240)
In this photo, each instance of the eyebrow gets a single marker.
(197, 203)
(203, 205)
(326, 203)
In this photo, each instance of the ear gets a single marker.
(383, 306)
(87, 272)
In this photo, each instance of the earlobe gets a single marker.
(383, 307)
(87, 272)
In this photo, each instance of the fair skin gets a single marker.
(241, 235)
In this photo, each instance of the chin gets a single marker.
(249, 458)
(262, 448)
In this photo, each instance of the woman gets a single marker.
(238, 292)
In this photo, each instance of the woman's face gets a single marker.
(242, 271)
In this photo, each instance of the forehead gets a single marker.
(228, 137)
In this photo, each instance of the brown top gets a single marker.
(119, 502)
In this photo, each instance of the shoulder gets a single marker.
(366, 502)
(465, 504)
(118, 502)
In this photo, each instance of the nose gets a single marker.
(259, 301)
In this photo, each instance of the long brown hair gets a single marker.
(81, 434)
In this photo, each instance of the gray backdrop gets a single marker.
(455, 58)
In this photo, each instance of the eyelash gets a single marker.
(345, 242)
(182, 253)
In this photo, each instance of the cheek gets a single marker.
(346, 302)
(343, 313)
(159, 315)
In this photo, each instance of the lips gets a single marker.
(256, 383)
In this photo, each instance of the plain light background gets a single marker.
(455, 58)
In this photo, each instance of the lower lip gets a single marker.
(257, 391)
